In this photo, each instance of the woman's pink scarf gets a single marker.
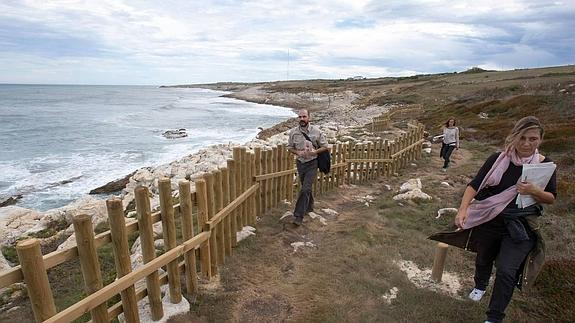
(485, 210)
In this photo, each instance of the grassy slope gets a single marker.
(505, 96)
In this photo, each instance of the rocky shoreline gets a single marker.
(335, 114)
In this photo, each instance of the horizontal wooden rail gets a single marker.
(407, 148)
(274, 175)
(53, 259)
(230, 207)
(290, 171)
(369, 160)
(116, 309)
(97, 298)
(338, 165)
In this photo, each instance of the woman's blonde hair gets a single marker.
(519, 130)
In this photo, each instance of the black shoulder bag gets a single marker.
(323, 158)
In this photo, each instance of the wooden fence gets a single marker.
(384, 121)
(223, 202)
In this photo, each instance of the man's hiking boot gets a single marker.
(297, 221)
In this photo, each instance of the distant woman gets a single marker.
(450, 141)
(490, 223)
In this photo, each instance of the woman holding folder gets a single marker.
(490, 223)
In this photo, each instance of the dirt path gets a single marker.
(352, 268)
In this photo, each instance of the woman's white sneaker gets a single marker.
(476, 295)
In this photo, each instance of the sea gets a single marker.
(58, 142)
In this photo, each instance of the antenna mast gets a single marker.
(287, 72)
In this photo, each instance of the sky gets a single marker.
(150, 42)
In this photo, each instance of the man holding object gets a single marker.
(306, 161)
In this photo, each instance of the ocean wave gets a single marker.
(97, 142)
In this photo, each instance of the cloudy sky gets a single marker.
(177, 41)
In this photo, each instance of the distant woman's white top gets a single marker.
(451, 136)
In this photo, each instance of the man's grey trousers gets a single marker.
(307, 175)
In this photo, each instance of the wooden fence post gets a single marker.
(232, 168)
(351, 166)
(439, 262)
(387, 155)
(89, 263)
(36, 279)
(226, 222)
(144, 214)
(281, 167)
(258, 171)
(269, 195)
(169, 234)
(244, 184)
(341, 170)
(209, 177)
(264, 183)
(202, 196)
(186, 213)
(219, 197)
(362, 165)
(275, 179)
(370, 167)
(252, 198)
(122, 256)
(237, 219)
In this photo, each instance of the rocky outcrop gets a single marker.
(15, 221)
(113, 186)
(11, 200)
(174, 134)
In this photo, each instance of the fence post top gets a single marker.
(164, 180)
(114, 202)
(140, 188)
(81, 218)
(28, 244)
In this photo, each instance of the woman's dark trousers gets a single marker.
(307, 174)
(508, 256)
(445, 153)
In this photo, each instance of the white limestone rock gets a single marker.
(320, 218)
(390, 295)
(330, 212)
(411, 185)
(446, 211)
(89, 205)
(245, 233)
(286, 214)
(415, 194)
(301, 244)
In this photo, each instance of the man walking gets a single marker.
(302, 142)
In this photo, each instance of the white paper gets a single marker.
(539, 175)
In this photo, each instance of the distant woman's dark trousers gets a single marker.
(307, 175)
(508, 256)
(445, 153)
